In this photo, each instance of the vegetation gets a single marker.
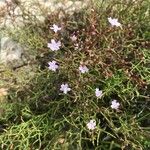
(37, 115)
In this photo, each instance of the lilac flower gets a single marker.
(91, 124)
(115, 104)
(55, 28)
(65, 88)
(83, 69)
(73, 38)
(98, 93)
(114, 22)
(52, 65)
(54, 46)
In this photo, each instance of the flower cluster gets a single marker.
(53, 66)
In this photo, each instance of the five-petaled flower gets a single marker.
(73, 38)
(83, 69)
(52, 65)
(55, 28)
(114, 22)
(54, 46)
(115, 104)
(91, 124)
(65, 88)
(98, 93)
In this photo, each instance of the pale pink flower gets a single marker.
(54, 46)
(73, 38)
(52, 65)
(115, 104)
(98, 93)
(114, 22)
(65, 88)
(55, 28)
(91, 124)
(83, 69)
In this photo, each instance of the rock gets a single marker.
(11, 53)
(17, 14)
(17, 66)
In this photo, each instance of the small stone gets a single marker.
(3, 92)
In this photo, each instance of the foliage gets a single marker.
(38, 116)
